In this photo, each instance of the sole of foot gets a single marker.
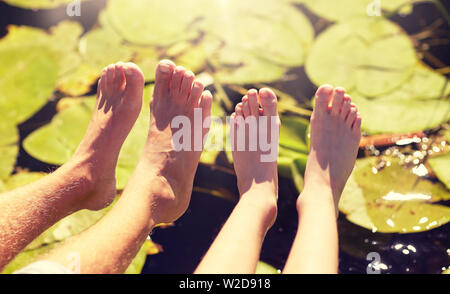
(119, 101)
(177, 96)
(335, 137)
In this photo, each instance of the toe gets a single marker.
(134, 80)
(268, 101)
(120, 77)
(110, 73)
(351, 117)
(164, 72)
(246, 107)
(196, 92)
(253, 102)
(186, 85)
(357, 123)
(177, 79)
(338, 98)
(323, 97)
(345, 108)
(205, 105)
(238, 109)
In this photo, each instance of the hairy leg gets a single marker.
(160, 188)
(87, 181)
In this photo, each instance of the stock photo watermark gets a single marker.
(374, 8)
(375, 266)
(74, 8)
(249, 134)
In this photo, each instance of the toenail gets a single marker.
(163, 67)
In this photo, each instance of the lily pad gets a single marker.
(263, 268)
(397, 116)
(393, 199)
(23, 87)
(157, 22)
(441, 167)
(74, 78)
(8, 148)
(39, 4)
(263, 39)
(56, 142)
(345, 9)
(373, 56)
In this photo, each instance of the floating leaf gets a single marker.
(263, 268)
(20, 179)
(441, 167)
(157, 22)
(374, 200)
(74, 77)
(8, 148)
(39, 4)
(345, 9)
(24, 88)
(397, 117)
(373, 56)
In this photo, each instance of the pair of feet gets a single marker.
(335, 134)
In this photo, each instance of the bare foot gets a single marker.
(256, 167)
(92, 168)
(335, 137)
(177, 95)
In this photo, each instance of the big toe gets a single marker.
(163, 76)
(268, 101)
(134, 80)
(323, 97)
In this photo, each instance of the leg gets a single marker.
(87, 181)
(160, 188)
(237, 247)
(335, 136)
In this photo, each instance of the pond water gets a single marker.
(187, 240)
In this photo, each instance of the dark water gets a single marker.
(185, 243)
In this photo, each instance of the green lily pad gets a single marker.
(346, 9)
(38, 4)
(56, 142)
(263, 268)
(397, 116)
(104, 46)
(293, 134)
(393, 200)
(441, 167)
(74, 78)
(23, 87)
(157, 22)
(373, 56)
(20, 179)
(263, 39)
(8, 148)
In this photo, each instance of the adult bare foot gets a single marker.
(255, 153)
(177, 97)
(335, 137)
(92, 168)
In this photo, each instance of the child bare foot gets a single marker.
(254, 133)
(119, 101)
(335, 136)
(177, 97)
(256, 166)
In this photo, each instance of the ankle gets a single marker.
(264, 202)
